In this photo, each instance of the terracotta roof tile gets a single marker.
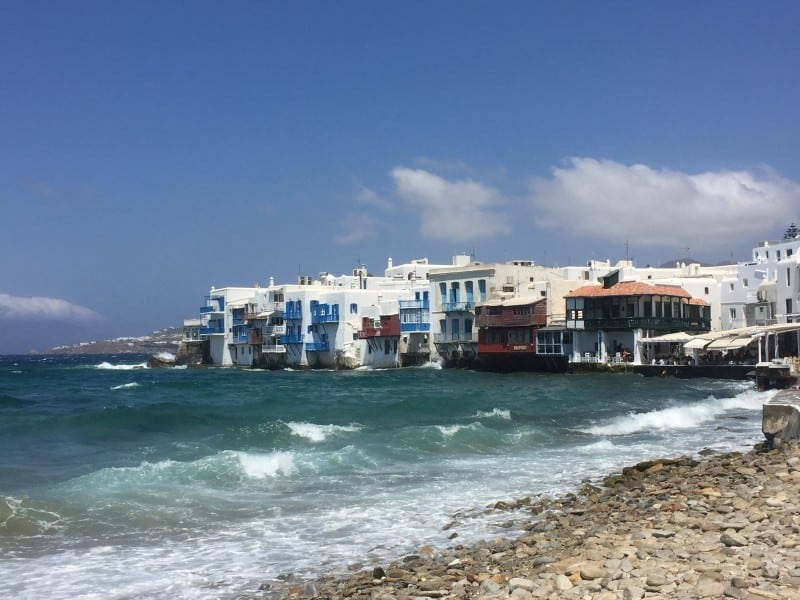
(628, 288)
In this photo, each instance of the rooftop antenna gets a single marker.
(627, 249)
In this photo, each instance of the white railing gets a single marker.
(445, 338)
(273, 349)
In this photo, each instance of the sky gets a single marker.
(152, 149)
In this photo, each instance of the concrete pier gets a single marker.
(780, 420)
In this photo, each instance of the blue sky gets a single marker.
(150, 150)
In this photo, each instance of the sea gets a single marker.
(121, 481)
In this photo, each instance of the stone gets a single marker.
(732, 539)
(633, 593)
(562, 583)
(521, 594)
(708, 587)
(592, 572)
(489, 587)
(770, 571)
(521, 582)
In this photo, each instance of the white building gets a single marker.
(457, 289)
(222, 318)
(765, 290)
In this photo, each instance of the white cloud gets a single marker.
(456, 211)
(357, 228)
(48, 309)
(371, 198)
(607, 200)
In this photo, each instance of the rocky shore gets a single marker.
(723, 526)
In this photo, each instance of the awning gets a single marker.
(696, 344)
(679, 337)
(721, 343)
(740, 342)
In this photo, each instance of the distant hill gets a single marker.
(670, 264)
(164, 340)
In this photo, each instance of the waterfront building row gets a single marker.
(503, 316)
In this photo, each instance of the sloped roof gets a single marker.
(629, 288)
(516, 301)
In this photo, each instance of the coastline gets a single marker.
(718, 526)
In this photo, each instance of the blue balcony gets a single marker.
(447, 338)
(414, 327)
(292, 338)
(414, 304)
(317, 347)
(457, 306)
(324, 313)
(213, 304)
(215, 330)
(293, 314)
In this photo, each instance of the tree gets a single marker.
(791, 233)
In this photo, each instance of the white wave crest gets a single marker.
(494, 413)
(108, 365)
(685, 416)
(319, 433)
(451, 430)
(125, 386)
(595, 447)
(261, 466)
(429, 365)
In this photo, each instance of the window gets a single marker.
(788, 277)
(443, 291)
(733, 313)
(778, 254)
(788, 253)
(482, 289)
(731, 286)
(744, 282)
(468, 290)
(548, 342)
(455, 292)
(706, 291)
(353, 308)
(788, 307)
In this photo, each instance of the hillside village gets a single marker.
(508, 316)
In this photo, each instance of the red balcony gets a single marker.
(386, 326)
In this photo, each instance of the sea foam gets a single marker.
(125, 386)
(319, 433)
(685, 416)
(497, 413)
(261, 466)
(108, 365)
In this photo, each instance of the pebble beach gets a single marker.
(711, 526)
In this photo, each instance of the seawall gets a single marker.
(780, 421)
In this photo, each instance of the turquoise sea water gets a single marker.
(118, 481)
